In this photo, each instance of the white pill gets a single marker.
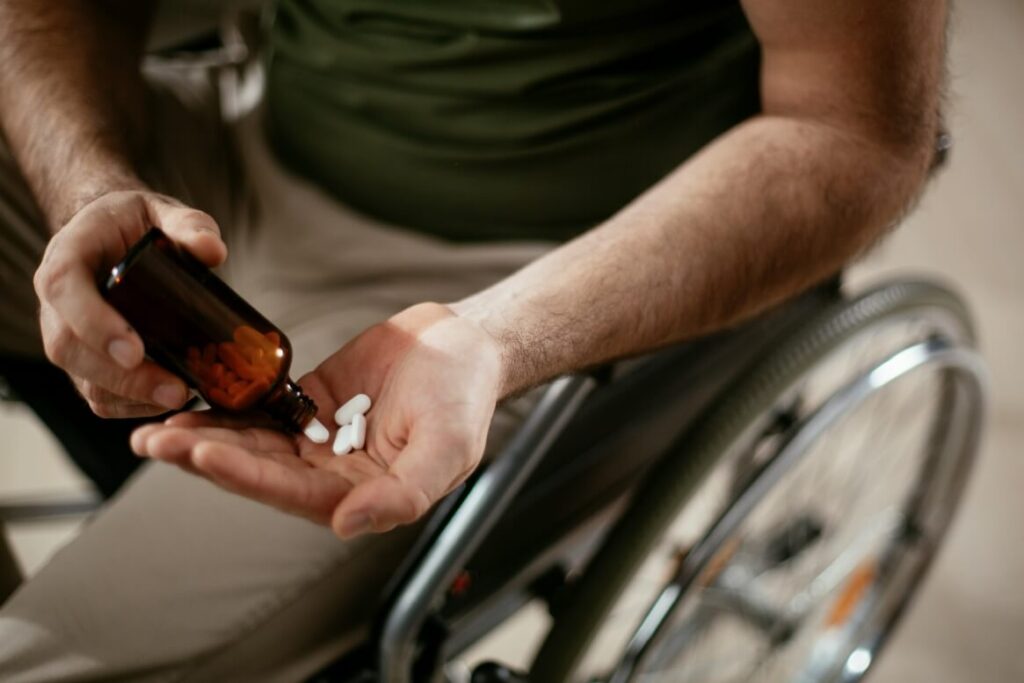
(343, 441)
(316, 432)
(357, 405)
(358, 431)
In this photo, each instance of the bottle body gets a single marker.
(197, 327)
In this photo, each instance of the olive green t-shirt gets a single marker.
(502, 119)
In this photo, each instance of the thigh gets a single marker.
(178, 580)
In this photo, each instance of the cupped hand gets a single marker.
(82, 333)
(434, 379)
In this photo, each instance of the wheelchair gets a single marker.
(756, 505)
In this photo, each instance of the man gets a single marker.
(697, 162)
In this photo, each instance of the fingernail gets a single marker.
(356, 524)
(169, 396)
(124, 352)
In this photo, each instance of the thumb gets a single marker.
(193, 229)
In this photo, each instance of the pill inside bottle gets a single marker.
(200, 329)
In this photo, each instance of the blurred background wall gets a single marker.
(968, 622)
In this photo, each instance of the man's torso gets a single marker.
(502, 120)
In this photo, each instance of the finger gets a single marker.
(193, 229)
(171, 445)
(305, 491)
(175, 444)
(142, 438)
(120, 409)
(100, 380)
(72, 312)
(163, 399)
(139, 439)
(107, 405)
(379, 505)
(139, 442)
(169, 440)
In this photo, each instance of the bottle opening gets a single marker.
(290, 406)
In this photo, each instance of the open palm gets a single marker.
(434, 380)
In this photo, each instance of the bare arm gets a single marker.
(850, 99)
(71, 97)
(72, 109)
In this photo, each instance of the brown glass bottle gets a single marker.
(197, 327)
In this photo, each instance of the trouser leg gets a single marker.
(23, 238)
(177, 580)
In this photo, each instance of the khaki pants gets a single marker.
(176, 579)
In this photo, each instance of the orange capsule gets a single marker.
(250, 395)
(220, 397)
(234, 360)
(217, 373)
(237, 387)
(248, 336)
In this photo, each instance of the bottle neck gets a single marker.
(290, 406)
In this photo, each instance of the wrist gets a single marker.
(516, 369)
(85, 187)
(442, 327)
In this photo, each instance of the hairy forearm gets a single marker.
(768, 209)
(71, 97)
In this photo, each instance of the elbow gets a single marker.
(904, 160)
(914, 137)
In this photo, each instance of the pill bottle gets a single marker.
(197, 327)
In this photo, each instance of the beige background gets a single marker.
(968, 623)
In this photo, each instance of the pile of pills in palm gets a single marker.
(351, 417)
(351, 420)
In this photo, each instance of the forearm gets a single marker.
(71, 97)
(763, 212)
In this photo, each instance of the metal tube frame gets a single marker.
(470, 523)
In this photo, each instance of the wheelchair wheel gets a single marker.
(784, 536)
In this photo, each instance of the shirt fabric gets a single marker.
(502, 119)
